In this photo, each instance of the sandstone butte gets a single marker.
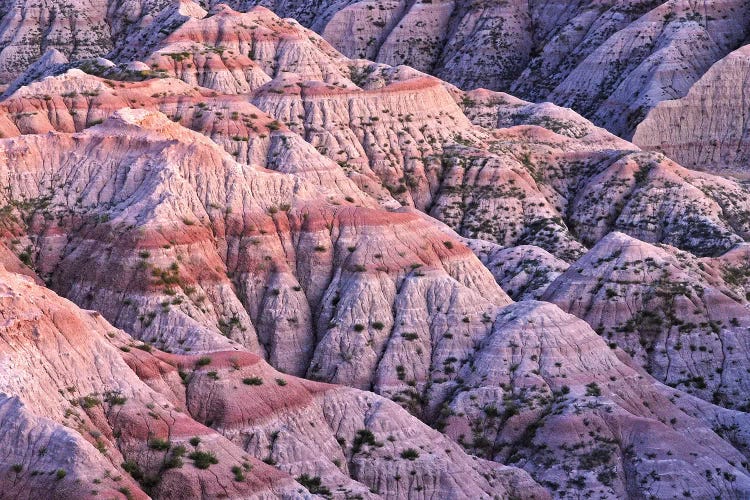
(235, 262)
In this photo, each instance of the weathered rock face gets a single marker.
(542, 364)
(210, 261)
(523, 271)
(543, 391)
(675, 314)
(524, 185)
(645, 192)
(253, 206)
(657, 56)
(73, 414)
(355, 440)
(83, 29)
(243, 257)
(76, 419)
(707, 129)
(75, 100)
(612, 61)
(231, 52)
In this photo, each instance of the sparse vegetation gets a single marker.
(203, 459)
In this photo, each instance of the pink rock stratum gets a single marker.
(348, 252)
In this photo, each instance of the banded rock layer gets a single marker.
(706, 129)
(87, 411)
(250, 206)
(612, 61)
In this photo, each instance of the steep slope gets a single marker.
(707, 129)
(544, 392)
(240, 240)
(236, 242)
(236, 190)
(523, 271)
(523, 185)
(75, 417)
(364, 438)
(611, 60)
(87, 414)
(673, 313)
(82, 29)
(76, 100)
(370, 443)
(203, 49)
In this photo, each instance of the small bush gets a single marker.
(239, 474)
(89, 402)
(116, 399)
(158, 444)
(592, 389)
(252, 381)
(364, 437)
(205, 360)
(203, 459)
(175, 461)
(313, 484)
(132, 468)
(410, 454)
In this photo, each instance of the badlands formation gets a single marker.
(676, 66)
(236, 262)
(708, 128)
(611, 60)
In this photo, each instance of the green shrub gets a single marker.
(313, 484)
(175, 460)
(89, 402)
(593, 389)
(132, 468)
(203, 459)
(158, 444)
(239, 474)
(364, 436)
